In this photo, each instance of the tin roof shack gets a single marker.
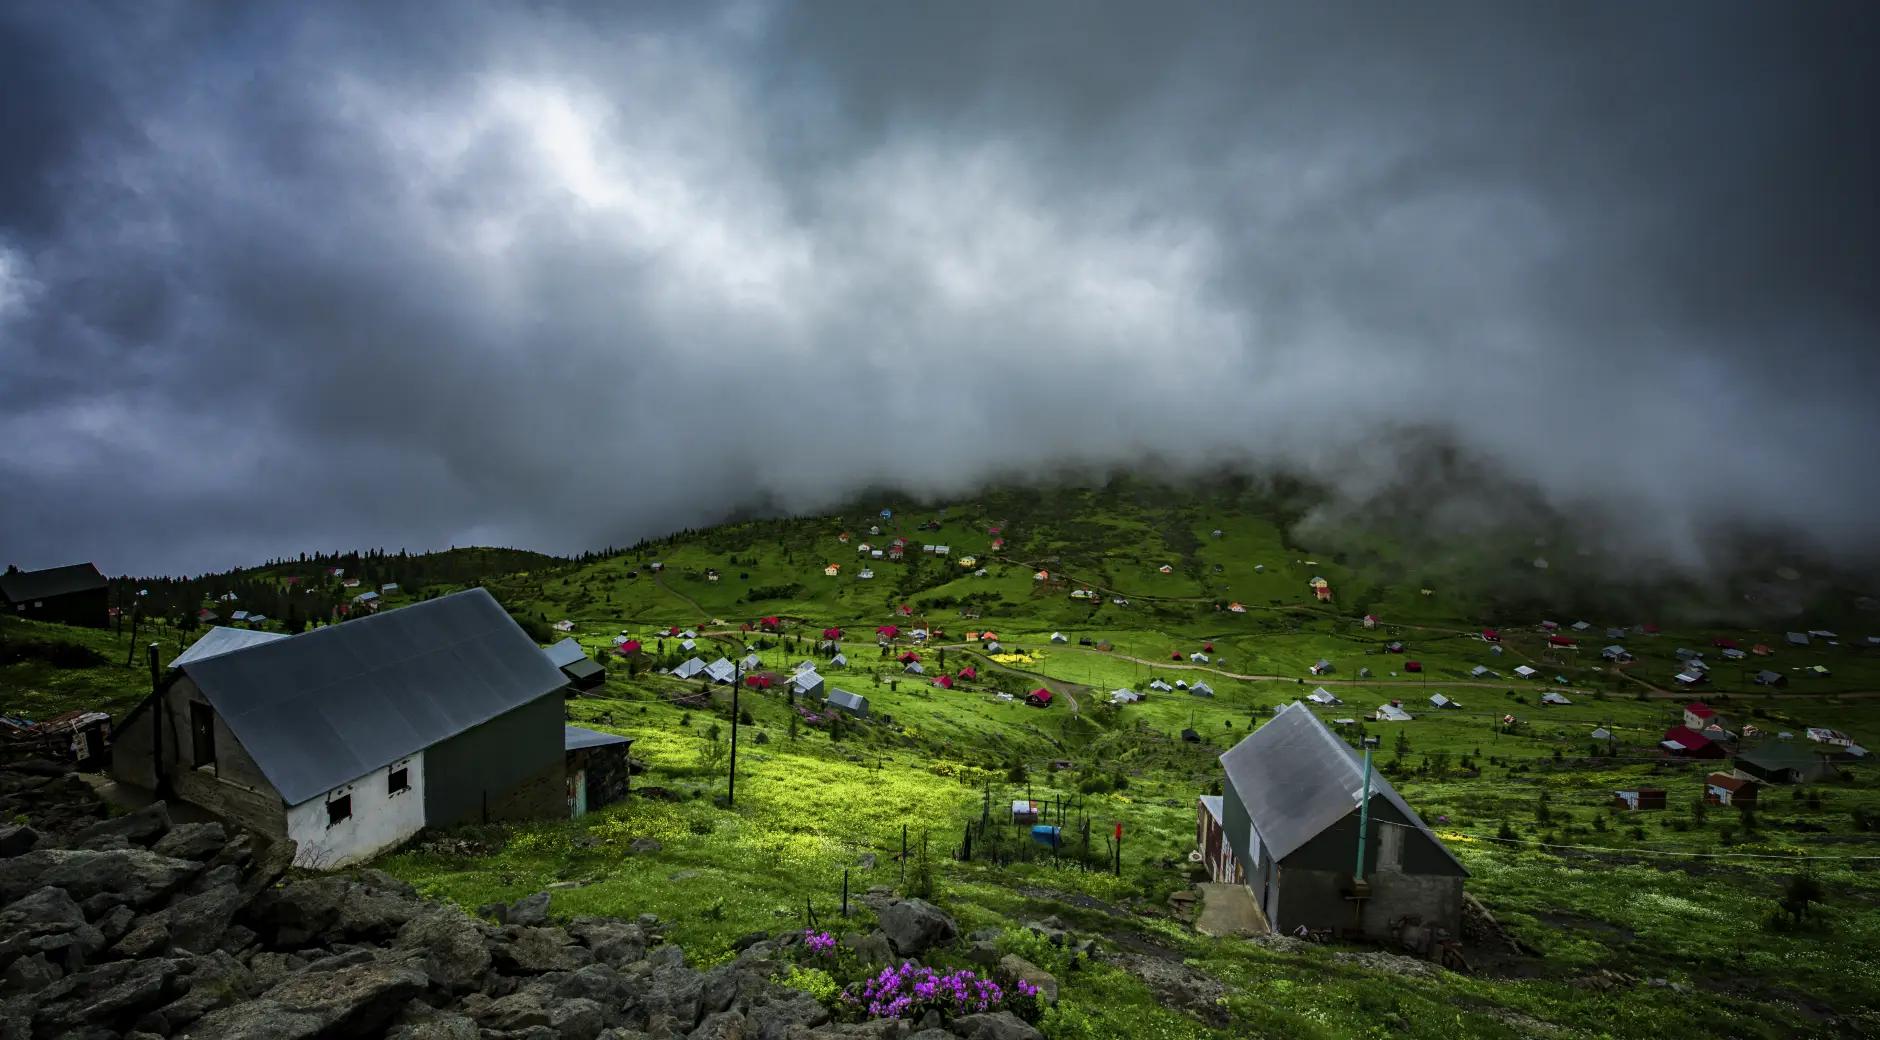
(1729, 789)
(582, 671)
(350, 738)
(598, 766)
(849, 703)
(74, 595)
(1290, 808)
(1640, 799)
(80, 737)
(1783, 762)
(1211, 838)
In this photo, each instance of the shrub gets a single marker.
(911, 990)
(815, 982)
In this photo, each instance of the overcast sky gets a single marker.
(276, 278)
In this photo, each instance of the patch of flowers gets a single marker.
(820, 944)
(912, 990)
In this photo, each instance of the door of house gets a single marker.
(202, 733)
(577, 794)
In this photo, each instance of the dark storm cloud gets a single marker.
(279, 278)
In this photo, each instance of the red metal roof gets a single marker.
(1700, 709)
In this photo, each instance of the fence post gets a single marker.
(845, 891)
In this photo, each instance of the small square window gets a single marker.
(398, 781)
(338, 809)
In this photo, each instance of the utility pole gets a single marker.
(1364, 816)
(731, 788)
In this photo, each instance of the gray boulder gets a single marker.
(437, 1025)
(198, 841)
(197, 922)
(1013, 966)
(17, 839)
(455, 954)
(914, 926)
(529, 911)
(532, 951)
(998, 1025)
(133, 877)
(48, 922)
(352, 1001)
(576, 1018)
(139, 827)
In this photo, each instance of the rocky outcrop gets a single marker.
(113, 927)
(914, 926)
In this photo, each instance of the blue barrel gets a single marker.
(1045, 834)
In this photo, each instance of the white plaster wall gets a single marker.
(379, 819)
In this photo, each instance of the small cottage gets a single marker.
(599, 768)
(1287, 827)
(351, 738)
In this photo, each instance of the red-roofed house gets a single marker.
(1650, 629)
(628, 648)
(969, 672)
(1725, 789)
(945, 682)
(1489, 635)
(1039, 698)
(1413, 666)
(1688, 743)
(771, 624)
(1176, 656)
(1207, 648)
(1561, 641)
(908, 658)
(1370, 620)
(887, 631)
(832, 633)
(1697, 715)
(1760, 649)
(758, 682)
(1725, 644)
(906, 611)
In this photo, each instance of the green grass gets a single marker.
(1661, 896)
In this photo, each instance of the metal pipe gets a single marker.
(1364, 816)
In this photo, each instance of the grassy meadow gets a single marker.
(1679, 906)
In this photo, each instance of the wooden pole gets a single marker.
(845, 891)
(731, 787)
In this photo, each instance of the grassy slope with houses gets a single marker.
(1685, 896)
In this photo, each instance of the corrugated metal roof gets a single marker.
(219, 640)
(574, 738)
(326, 707)
(564, 653)
(53, 581)
(1297, 778)
(847, 701)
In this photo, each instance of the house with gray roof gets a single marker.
(220, 640)
(1287, 827)
(1798, 638)
(1323, 696)
(839, 661)
(691, 669)
(722, 671)
(1201, 689)
(351, 738)
(847, 703)
(582, 671)
(1615, 652)
(807, 684)
(74, 595)
(1158, 684)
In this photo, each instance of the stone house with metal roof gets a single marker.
(1288, 817)
(351, 738)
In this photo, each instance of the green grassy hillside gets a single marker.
(1660, 924)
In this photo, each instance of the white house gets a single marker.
(351, 738)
